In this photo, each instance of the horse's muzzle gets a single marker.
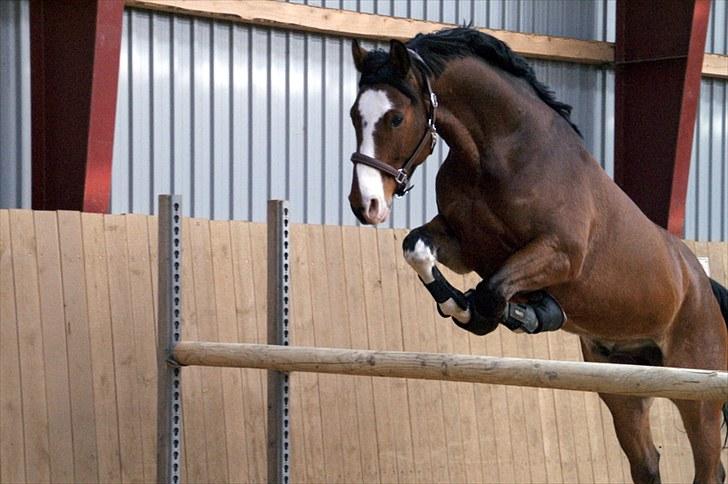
(372, 214)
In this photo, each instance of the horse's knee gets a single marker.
(420, 253)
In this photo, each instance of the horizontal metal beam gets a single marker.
(328, 21)
(679, 383)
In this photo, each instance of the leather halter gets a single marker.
(402, 175)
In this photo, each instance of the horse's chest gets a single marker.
(474, 217)
(483, 241)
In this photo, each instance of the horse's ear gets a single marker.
(359, 54)
(399, 57)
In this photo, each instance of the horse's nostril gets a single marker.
(373, 209)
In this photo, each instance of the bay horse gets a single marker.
(523, 204)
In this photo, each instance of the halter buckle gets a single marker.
(402, 190)
(401, 178)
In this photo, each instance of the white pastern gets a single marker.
(451, 308)
(422, 259)
(373, 104)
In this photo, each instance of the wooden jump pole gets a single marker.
(679, 383)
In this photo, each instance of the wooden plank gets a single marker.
(102, 359)
(715, 65)
(447, 392)
(374, 333)
(468, 408)
(227, 326)
(505, 447)
(194, 459)
(584, 466)
(130, 431)
(718, 255)
(145, 335)
(339, 336)
(55, 354)
(328, 21)
(331, 388)
(425, 410)
(30, 344)
(547, 412)
(259, 251)
(489, 441)
(152, 231)
(516, 417)
(307, 436)
(390, 337)
(376, 27)
(564, 423)
(353, 262)
(532, 417)
(79, 349)
(596, 437)
(12, 443)
(247, 327)
(206, 316)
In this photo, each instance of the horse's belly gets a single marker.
(623, 312)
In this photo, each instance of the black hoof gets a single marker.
(478, 324)
(489, 303)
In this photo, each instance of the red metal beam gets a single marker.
(75, 48)
(658, 61)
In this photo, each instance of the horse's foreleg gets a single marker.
(701, 345)
(431, 243)
(538, 265)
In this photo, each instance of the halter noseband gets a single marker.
(402, 175)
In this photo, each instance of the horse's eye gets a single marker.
(397, 120)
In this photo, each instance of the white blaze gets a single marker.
(373, 104)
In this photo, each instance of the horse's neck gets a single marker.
(482, 109)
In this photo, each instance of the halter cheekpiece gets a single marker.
(402, 175)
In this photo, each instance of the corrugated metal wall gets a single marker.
(231, 115)
(707, 201)
(259, 113)
(14, 104)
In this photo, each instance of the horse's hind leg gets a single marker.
(702, 424)
(431, 243)
(703, 345)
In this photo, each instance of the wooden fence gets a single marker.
(78, 381)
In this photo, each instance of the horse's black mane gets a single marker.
(438, 48)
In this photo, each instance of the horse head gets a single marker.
(393, 116)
